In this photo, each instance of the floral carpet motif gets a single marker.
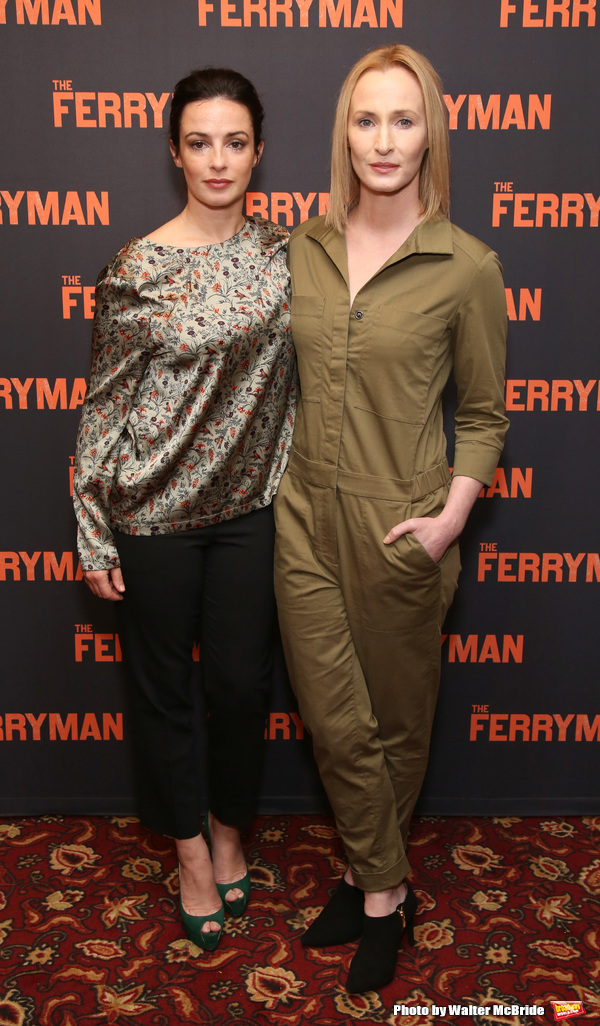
(90, 931)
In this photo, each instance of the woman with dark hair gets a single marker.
(388, 297)
(183, 439)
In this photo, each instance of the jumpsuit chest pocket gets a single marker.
(308, 332)
(399, 357)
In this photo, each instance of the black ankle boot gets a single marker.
(340, 921)
(374, 963)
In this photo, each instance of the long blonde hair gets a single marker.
(434, 179)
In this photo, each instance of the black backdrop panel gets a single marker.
(85, 166)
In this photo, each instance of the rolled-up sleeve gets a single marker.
(479, 353)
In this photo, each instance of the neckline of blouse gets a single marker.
(232, 240)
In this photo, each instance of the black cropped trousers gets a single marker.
(212, 586)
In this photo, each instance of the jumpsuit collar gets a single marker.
(434, 236)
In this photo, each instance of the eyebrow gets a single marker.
(395, 113)
(206, 135)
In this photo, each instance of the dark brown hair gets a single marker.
(214, 84)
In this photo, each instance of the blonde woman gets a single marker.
(388, 298)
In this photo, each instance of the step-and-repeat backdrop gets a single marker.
(85, 166)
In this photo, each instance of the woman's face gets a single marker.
(387, 131)
(216, 151)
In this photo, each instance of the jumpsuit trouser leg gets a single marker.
(212, 585)
(361, 624)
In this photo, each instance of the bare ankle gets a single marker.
(192, 851)
(382, 903)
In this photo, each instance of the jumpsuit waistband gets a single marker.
(325, 475)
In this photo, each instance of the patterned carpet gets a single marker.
(89, 928)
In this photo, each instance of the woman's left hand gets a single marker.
(436, 534)
(431, 532)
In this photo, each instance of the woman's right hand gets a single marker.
(106, 584)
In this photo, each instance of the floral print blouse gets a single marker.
(190, 408)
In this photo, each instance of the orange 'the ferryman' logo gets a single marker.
(567, 1009)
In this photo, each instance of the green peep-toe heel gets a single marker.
(193, 926)
(238, 906)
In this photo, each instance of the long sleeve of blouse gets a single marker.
(191, 399)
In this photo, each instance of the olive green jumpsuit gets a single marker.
(360, 620)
